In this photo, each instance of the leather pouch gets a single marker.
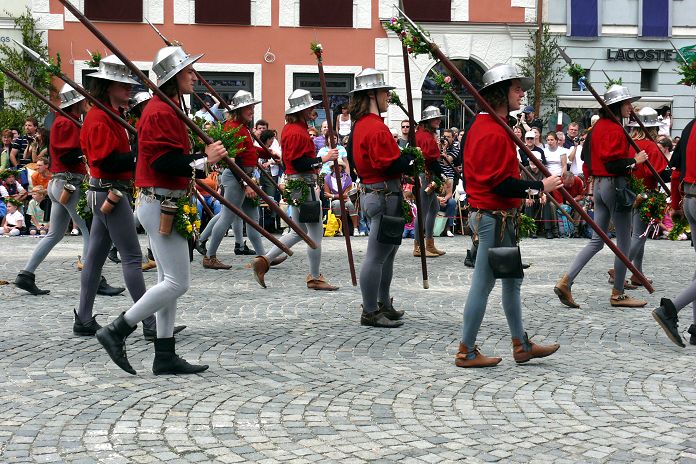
(391, 230)
(310, 212)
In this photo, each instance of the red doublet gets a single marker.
(426, 142)
(489, 159)
(642, 171)
(374, 149)
(65, 137)
(690, 175)
(101, 136)
(296, 143)
(160, 131)
(249, 154)
(608, 143)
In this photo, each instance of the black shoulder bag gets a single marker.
(505, 261)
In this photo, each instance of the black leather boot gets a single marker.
(107, 290)
(200, 247)
(87, 328)
(27, 281)
(167, 362)
(667, 317)
(389, 311)
(243, 250)
(692, 331)
(150, 334)
(468, 261)
(113, 255)
(378, 319)
(113, 339)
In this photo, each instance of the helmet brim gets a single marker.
(122, 79)
(377, 87)
(297, 109)
(190, 60)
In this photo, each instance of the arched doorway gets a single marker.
(434, 95)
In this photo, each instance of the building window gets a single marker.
(223, 12)
(430, 11)
(433, 95)
(127, 11)
(655, 18)
(337, 88)
(583, 19)
(576, 87)
(648, 80)
(316, 13)
(226, 84)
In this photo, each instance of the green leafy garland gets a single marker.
(292, 186)
(680, 225)
(54, 65)
(95, 59)
(527, 225)
(186, 220)
(575, 71)
(409, 36)
(687, 71)
(83, 209)
(4, 174)
(654, 207)
(611, 82)
(394, 99)
(445, 83)
(317, 49)
(636, 184)
(406, 211)
(419, 160)
(229, 138)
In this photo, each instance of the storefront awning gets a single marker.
(587, 101)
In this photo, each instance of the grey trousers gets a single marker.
(430, 207)
(482, 283)
(378, 266)
(173, 272)
(638, 228)
(234, 193)
(60, 217)
(315, 230)
(605, 211)
(117, 227)
(688, 295)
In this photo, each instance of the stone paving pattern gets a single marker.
(294, 378)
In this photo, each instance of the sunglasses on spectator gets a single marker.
(405, 127)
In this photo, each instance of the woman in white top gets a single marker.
(556, 156)
(343, 122)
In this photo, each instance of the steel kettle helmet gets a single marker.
(243, 98)
(300, 100)
(431, 112)
(169, 61)
(648, 116)
(112, 69)
(69, 96)
(505, 72)
(370, 79)
(618, 93)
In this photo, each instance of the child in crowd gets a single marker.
(13, 223)
(38, 224)
(409, 228)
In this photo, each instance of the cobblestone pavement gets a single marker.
(294, 377)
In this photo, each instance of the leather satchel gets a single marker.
(504, 261)
(310, 212)
(391, 230)
(625, 197)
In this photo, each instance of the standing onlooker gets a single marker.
(571, 134)
(665, 121)
(18, 155)
(343, 122)
(6, 149)
(402, 141)
(556, 157)
(320, 141)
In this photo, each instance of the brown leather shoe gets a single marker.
(279, 259)
(621, 300)
(562, 289)
(417, 251)
(522, 355)
(150, 264)
(612, 275)
(636, 282)
(430, 247)
(260, 266)
(319, 283)
(78, 263)
(479, 360)
(211, 262)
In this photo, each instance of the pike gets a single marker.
(205, 138)
(437, 53)
(318, 52)
(615, 119)
(133, 131)
(416, 178)
(38, 95)
(635, 118)
(227, 107)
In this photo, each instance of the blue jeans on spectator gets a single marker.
(409, 233)
(212, 203)
(363, 224)
(449, 210)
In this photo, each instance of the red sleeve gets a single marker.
(676, 191)
(383, 150)
(98, 141)
(426, 142)
(65, 137)
(613, 144)
(294, 146)
(495, 173)
(161, 135)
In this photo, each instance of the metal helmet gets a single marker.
(139, 98)
(648, 116)
(169, 61)
(69, 96)
(618, 93)
(430, 112)
(299, 100)
(243, 98)
(113, 69)
(370, 79)
(505, 72)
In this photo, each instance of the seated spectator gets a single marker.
(213, 204)
(342, 154)
(42, 175)
(537, 207)
(10, 188)
(38, 148)
(35, 215)
(448, 205)
(409, 229)
(331, 192)
(13, 222)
